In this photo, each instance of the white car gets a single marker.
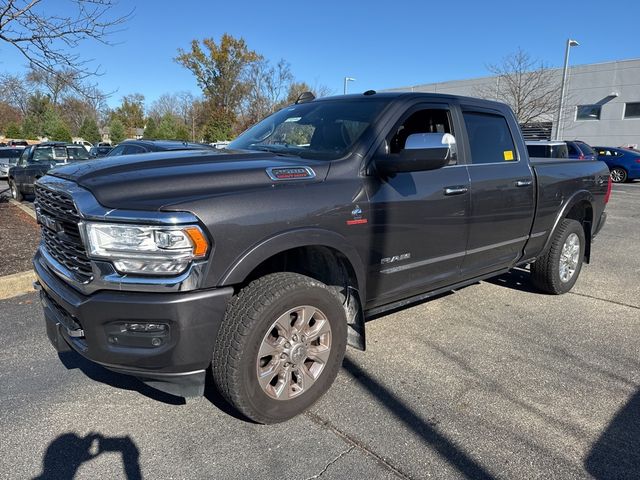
(87, 145)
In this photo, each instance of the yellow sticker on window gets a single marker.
(508, 154)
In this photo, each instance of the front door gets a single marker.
(419, 219)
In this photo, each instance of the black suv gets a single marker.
(37, 160)
(131, 147)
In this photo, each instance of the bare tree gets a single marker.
(527, 85)
(46, 38)
(15, 90)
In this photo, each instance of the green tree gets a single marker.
(50, 122)
(130, 113)
(182, 133)
(30, 128)
(60, 133)
(116, 131)
(221, 69)
(151, 129)
(13, 130)
(219, 127)
(90, 131)
(167, 127)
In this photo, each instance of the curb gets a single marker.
(16, 284)
(27, 210)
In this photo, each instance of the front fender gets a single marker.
(304, 237)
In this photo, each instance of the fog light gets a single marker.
(156, 342)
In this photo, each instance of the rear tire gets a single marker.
(280, 346)
(557, 270)
(618, 175)
(16, 194)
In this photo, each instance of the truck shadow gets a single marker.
(517, 279)
(67, 452)
(72, 361)
(453, 455)
(616, 454)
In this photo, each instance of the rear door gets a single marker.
(502, 192)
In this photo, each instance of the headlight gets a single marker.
(144, 249)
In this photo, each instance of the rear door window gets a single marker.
(489, 138)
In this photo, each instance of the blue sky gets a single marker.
(381, 44)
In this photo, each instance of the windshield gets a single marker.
(60, 154)
(320, 130)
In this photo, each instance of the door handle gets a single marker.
(455, 190)
(524, 183)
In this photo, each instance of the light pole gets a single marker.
(346, 81)
(570, 43)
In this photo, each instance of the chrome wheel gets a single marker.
(294, 352)
(618, 175)
(569, 257)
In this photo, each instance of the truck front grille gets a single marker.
(59, 220)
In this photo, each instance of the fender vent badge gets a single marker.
(290, 173)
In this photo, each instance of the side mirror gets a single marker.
(422, 151)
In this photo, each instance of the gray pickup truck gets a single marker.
(261, 262)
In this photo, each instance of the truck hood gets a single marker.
(151, 181)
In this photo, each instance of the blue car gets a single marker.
(623, 163)
(580, 150)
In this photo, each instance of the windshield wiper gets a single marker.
(277, 151)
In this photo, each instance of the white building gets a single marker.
(602, 105)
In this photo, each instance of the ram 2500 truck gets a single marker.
(262, 261)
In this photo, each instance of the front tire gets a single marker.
(16, 194)
(618, 175)
(280, 346)
(557, 270)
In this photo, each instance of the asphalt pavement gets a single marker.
(492, 381)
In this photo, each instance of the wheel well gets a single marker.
(583, 213)
(322, 263)
(328, 266)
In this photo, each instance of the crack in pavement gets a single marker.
(332, 462)
(355, 443)
(604, 300)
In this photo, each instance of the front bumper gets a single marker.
(89, 323)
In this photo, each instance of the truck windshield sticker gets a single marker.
(508, 155)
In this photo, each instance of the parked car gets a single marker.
(131, 147)
(87, 145)
(547, 149)
(17, 143)
(580, 150)
(623, 163)
(264, 259)
(35, 161)
(8, 158)
(97, 152)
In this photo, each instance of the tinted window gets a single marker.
(572, 149)
(77, 153)
(588, 112)
(490, 138)
(133, 149)
(10, 153)
(632, 110)
(586, 149)
(116, 151)
(547, 151)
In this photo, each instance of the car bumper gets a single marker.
(173, 361)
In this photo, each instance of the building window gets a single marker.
(632, 110)
(588, 112)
